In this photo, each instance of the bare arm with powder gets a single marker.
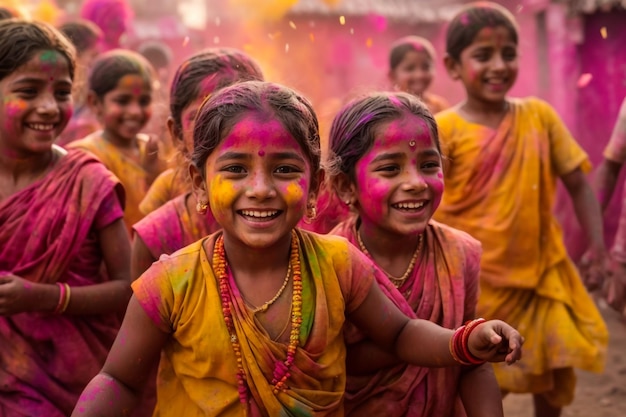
(116, 390)
(594, 261)
(423, 343)
(141, 258)
(609, 169)
(19, 295)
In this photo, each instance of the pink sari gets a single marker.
(47, 235)
(443, 289)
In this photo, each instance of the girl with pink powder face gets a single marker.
(386, 165)
(64, 250)
(412, 69)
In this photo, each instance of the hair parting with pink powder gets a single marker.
(353, 131)
(227, 66)
(223, 110)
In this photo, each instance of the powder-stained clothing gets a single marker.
(500, 188)
(197, 375)
(173, 226)
(616, 151)
(170, 184)
(133, 176)
(48, 234)
(443, 288)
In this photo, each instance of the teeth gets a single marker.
(40, 126)
(409, 205)
(260, 214)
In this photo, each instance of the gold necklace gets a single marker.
(396, 281)
(267, 304)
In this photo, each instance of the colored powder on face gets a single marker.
(222, 194)
(48, 60)
(261, 153)
(294, 194)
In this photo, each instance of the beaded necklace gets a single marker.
(396, 281)
(281, 369)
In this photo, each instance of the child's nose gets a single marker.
(47, 104)
(261, 186)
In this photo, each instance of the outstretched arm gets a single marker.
(136, 350)
(423, 343)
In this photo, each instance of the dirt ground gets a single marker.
(597, 395)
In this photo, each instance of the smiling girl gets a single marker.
(506, 155)
(60, 223)
(250, 319)
(120, 95)
(386, 165)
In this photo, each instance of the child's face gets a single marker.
(258, 182)
(399, 182)
(126, 109)
(414, 73)
(488, 66)
(36, 103)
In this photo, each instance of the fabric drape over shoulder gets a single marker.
(443, 289)
(500, 188)
(48, 235)
(172, 227)
(170, 184)
(133, 176)
(198, 369)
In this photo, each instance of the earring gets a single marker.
(311, 213)
(201, 207)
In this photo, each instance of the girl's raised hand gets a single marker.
(496, 341)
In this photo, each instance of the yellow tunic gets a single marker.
(197, 374)
(170, 184)
(500, 188)
(132, 175)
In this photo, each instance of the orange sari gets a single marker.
(500, 188)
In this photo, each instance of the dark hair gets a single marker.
(7, 13)
(354, 129)
(227, 66)
(402, 46)
(20, 40)
(471, 19)
(112, 66)
(82, 33)
(158, 54)
(221, 111)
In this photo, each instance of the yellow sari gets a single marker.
(132, 175)
(500, 188)
(197, 373)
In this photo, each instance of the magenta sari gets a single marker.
(48, 235)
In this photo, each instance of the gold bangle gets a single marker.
(66, 302)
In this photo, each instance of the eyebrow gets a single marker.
(384, 156)
(35, 80)
(286, 155)
(233, 155)
(398, 155)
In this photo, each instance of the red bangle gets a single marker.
(467, 354)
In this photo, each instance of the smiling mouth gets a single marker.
(41, 127)
(259, 215)
(409, 206)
